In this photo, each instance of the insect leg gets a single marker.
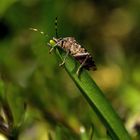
(52, 47)
(79, 68)
(64, 60)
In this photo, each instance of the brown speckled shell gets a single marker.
(78, 52)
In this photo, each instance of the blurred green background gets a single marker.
(109, 30)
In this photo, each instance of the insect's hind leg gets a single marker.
(82, 64)
(64, 60)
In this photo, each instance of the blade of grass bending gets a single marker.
(95, 98)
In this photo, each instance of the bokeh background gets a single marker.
(55, 109)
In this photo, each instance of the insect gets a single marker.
(72, 47)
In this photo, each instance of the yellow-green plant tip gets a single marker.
(52, 43)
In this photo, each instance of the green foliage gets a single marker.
(5, 4)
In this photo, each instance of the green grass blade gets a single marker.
(96, 99)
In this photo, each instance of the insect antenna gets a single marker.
(56, 29)
(37, 30)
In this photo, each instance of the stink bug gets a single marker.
(72, 47)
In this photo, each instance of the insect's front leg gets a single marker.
(53, 44)
(50, 48)
(64, 60)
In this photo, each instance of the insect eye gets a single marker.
(52, 43)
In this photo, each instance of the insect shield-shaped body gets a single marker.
(72, 47)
